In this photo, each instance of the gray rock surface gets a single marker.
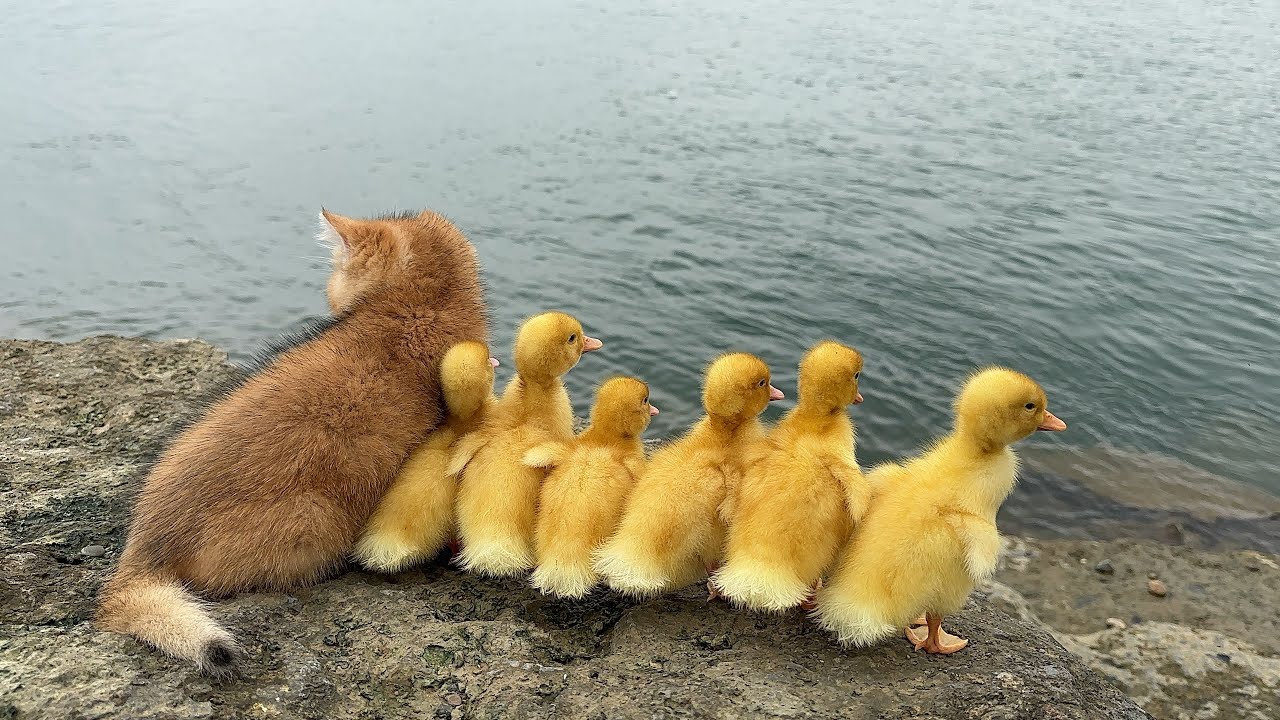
(78, 424)
(1183, 673)
(1206, 651)
(1235, 592)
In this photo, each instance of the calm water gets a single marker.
(1085, 190)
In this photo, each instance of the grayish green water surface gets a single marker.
(1088, 191)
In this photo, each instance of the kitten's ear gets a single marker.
(338, 230)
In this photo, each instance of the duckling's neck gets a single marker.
(598, 434)
(728, 427)
(977, 440)
(543, 401)
(465, 422)
(539, 387)
(993, 468)
(818, 417)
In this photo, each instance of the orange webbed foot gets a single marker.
(932, 638)
(713, 592)
(810, 603)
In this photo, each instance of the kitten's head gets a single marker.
(394, 253)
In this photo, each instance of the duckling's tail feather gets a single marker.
(629, 575)
(851, 622)
(760, 587)
(564, 579)
(496, 558)
(385, 553)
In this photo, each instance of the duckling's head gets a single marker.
(466, 377)
(622, 407)
(998, 407)
(737, 387)
(829, 376)
(549, 345)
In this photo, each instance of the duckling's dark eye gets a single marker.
(762, 383)
(573, 337)
(646, 400)
(1030, 406)
(857, 375)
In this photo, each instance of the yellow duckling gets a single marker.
(673, 527)
(590, 477)
(799, 497)
(498, 492)
(414, 520)
(930, 534)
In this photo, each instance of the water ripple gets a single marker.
(1083, 190)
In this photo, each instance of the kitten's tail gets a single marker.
(160, 612)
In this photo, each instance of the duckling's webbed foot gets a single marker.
(713, 592)
(933, 639)
(810, 603)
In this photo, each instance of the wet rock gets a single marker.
(363, 645)
(1115, 623)
(1184, 674)
(1235, 606)
(1007, 600)
(1174, 534)
(1255, 561)
(1157, 588)
(1075, 501)
(1015, 554)
(1105, 567)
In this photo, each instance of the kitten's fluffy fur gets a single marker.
(270, 488)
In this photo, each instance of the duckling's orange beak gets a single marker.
(775, 394)
(1051, 423)
(589, 343)
(652, 411)
(493, 362)
(857, 398)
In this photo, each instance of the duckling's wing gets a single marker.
(546, 455)
(760, 451)
(464, 450)
(886, 475)
(857, 489)
(730, 481)
(981, 542)
(635, 465)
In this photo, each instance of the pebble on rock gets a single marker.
(1157, 588)
(93, 551)
(1105, 567)
(1116, 624)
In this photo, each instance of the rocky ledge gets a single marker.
(79, 423)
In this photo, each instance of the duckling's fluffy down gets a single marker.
(760, 586)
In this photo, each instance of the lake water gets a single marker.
(1088, 191)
